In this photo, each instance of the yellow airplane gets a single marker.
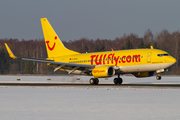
(139, 62)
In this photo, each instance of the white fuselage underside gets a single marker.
(144, 68)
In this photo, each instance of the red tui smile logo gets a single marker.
(51, 48)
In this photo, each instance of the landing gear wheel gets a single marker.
(158, 77)
(118, 81)
(91, 81)
(94, 81)
(115, 81)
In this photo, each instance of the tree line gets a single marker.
(164, 40)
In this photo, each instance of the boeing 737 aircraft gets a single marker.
(139, 62)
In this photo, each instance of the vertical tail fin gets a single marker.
(54, 46)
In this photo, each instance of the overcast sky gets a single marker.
(74, 19)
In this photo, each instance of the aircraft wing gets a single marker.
(83, 68)
(58, 65)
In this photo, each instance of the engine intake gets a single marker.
(103, 71)
(144, 74)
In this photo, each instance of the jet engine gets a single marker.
(144, 74)
(103, 71)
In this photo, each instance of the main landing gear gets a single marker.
(158, 77)
(94, 81)
(118, 81)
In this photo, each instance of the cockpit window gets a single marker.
(160, 55)
(166, 54)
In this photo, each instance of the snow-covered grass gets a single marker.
(87, 104)
(85, 79)
(63, 103)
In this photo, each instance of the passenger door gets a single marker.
(149, 57)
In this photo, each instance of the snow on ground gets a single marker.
(45, 103)
(85, 79)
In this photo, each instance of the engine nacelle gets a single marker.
(103, 71)
(144, 74)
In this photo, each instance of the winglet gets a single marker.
(10, 52)
(151, 47)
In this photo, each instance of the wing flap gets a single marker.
(57, 63)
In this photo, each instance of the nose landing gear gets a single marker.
(158, 77)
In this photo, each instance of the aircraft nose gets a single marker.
(171, 60)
